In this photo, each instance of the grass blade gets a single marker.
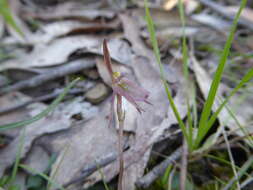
(184, 45)
(244, 80)
(103, 177)
(41, 175)
(6, 13)
(151, 30)
(55, 169)
(217, 78)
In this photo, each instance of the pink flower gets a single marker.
(122, 86)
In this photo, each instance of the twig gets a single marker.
(183, 166)
(53, 74)
(158, 171)
(38, 99)
(222, 10)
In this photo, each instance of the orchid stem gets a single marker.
(121, 117)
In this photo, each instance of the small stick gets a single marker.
(53, 74)
(222, 10)
(158, 171)
(38, 99)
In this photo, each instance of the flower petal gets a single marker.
(125, 94)
(137, 92)
(107, 59)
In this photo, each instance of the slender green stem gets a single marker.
(121, 118)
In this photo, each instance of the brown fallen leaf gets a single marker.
(49, 32)
(131, 26)
(55, 122)
(58, 51)
(60, 119)
(52, 54)
(37, 159)
(71, 10)
(81, 145)
(19, 115)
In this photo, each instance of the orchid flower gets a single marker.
(124, 87)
